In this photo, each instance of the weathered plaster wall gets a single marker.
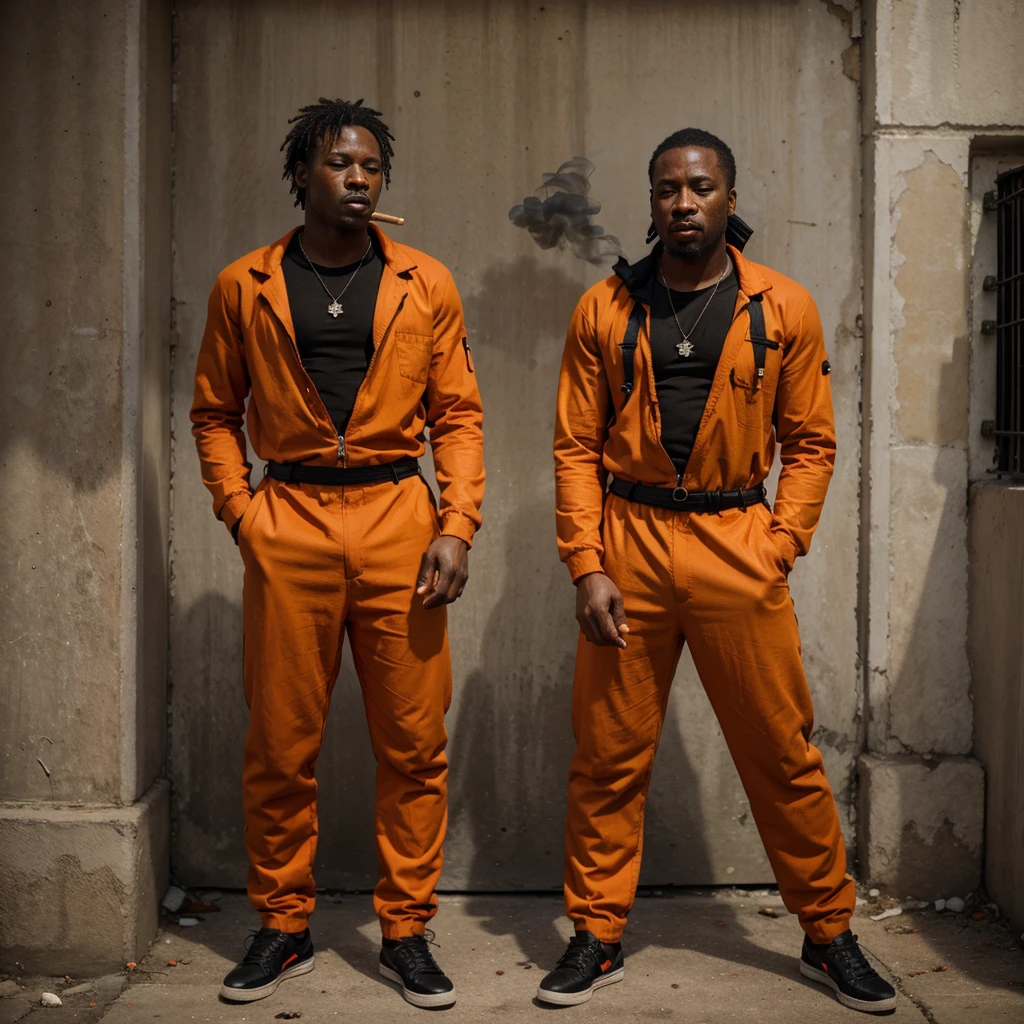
(483, 98)
(941, 82)
(997, 662)
(83, 476)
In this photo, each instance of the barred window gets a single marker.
(1007, 201)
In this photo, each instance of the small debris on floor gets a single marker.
(499, 972)
(49, 999)
(131, 965)
(172, 963)
(933, 970)
(768, 912)
(288, 1015)
(9, 987)
(200, 907)
(173, 899)
(188, 922)
(955, 904)
(891, 912)
(874, 893)
(978, 915)
(940, 905)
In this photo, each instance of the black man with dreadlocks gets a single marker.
(681, 374)
(348, 347)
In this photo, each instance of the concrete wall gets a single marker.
(84, 449)
(997, 663)
(941, 84)
(483, 98)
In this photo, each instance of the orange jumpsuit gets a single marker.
(320, 560)
(715, 581)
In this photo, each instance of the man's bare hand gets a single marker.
(599, 610)
(444, 570)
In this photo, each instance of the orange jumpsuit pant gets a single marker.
(717, 582)
(320, 561)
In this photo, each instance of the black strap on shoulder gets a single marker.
(628, 345)
(759, 338)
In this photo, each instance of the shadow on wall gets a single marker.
(208, 723)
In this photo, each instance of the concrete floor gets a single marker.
(700, 957)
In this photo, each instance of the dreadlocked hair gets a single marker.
(321, 124)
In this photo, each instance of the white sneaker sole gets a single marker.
(575, 998)
(416, 998)
(235, 995)
(864, 1005)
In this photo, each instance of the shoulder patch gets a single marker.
(826, 368)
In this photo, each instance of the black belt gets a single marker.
(681, 500)
(339, 476)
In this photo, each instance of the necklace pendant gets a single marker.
(685, 348)
(335, 309)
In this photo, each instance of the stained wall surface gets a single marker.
(84, 468)
(482, 99)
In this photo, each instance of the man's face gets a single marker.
(343, 179)
(690, 201)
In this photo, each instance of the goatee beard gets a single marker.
(686, 253)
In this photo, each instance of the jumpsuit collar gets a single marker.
(395, 256)
(639, 277)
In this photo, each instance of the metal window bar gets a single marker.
(1008, 203)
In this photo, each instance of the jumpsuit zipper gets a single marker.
(342, 452)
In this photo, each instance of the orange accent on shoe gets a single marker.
(824, 966)
(294, 956)
(605, 966)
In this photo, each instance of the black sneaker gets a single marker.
(272, 957)
(841, 965)
(588, 964)
(409, 963)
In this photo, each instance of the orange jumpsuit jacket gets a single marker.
(421, 375)
(600, 430)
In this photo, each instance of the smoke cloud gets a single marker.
(560, 214)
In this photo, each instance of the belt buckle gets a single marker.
(675, 494)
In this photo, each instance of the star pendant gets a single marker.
(335, 309)
(685, 348)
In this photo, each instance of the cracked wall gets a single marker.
(531, 87)
(941, 83)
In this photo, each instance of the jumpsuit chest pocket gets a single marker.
(754, 394)
(414, 354)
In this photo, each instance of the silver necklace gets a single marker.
(335, 308)
(685, 347)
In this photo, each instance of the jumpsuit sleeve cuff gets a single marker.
(581, 563)
(234, 508)
(457, 525)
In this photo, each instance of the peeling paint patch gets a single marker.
(851, 61)
(930, 347)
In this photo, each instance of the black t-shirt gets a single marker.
(335, 351)
(683, 383)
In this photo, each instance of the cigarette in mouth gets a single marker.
(387, 218)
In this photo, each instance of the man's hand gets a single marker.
(599, 610)
(444, 570)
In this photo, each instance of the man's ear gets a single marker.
(732, 200)
(301, 174)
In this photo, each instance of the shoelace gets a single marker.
(417, 956)
(581, 955)
(854, 961)
(263, 947)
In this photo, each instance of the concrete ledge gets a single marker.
(80, 887)
(921, 824)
